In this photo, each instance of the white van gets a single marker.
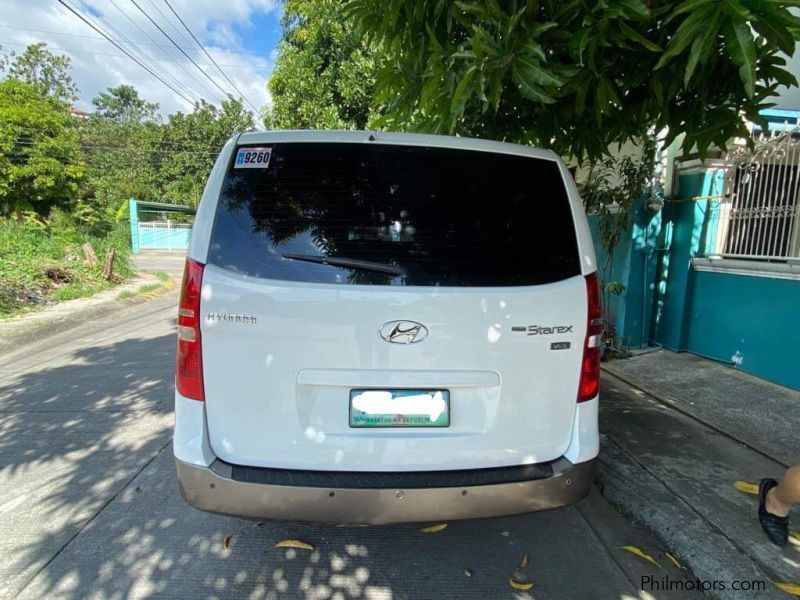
(379, 327)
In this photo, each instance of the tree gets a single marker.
(122, 104)
(323, 77)
(578, 76)
(187, 145)
(40, 166)
(47, 71)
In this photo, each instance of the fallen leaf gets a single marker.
(746, 487)
(522, 586)
(789, 588)
(226, 541)
(468, 572)
(524, 562)
(294, 544)
(673, 560)
(434, 528)
(640, 554)
(626, 411)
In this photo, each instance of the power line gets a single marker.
(228, 79)
(163, 51)
(177, 147)
(123, 39)
(128, 54)
(166, 35)
(127, 150)
(171, 60)
(169, 22)
(95, 37)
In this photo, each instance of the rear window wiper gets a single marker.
(349, 263)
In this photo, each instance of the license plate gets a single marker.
(399, 408)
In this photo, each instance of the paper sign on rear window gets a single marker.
(252, 158)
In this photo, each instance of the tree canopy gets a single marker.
(323, 77)
(48, 71)
(40, 166)
(122, 104)
(575, 75)
(50, 158)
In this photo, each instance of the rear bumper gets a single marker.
(214, 489)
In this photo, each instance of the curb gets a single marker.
(39, 331)
(664, 397)
(709, 554)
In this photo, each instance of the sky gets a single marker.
(240, 35)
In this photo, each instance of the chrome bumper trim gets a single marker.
(212, 489)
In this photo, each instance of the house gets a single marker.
(716, 272)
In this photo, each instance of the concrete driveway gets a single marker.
(89, 506)
(170, 263)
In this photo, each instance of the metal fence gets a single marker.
(163, 235)
(759, 218)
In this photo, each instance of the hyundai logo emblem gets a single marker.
(403, 332)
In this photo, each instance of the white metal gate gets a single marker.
(759, 219)
(163, 235)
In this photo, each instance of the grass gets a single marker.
(38, 265)
(142, 289)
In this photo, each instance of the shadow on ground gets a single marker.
(71, 437)
(89, 508)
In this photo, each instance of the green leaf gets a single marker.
(634, 35)
(736, 10)
(635, 8)
(470, 7)
(533, 71)
(534, 49)
(775, 34)
(686, 33)
(780, 76)
(528, 89)
(742, 49)
(579, 44)
(461, 94)
(687, 6)
(701, 49)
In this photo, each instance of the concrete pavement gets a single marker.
(89, 506)
(675, 470)
(747, 408)
(170, 263)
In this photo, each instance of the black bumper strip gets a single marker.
(402, 479)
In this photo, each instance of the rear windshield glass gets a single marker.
(393, 215)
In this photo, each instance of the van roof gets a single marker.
(390, 138)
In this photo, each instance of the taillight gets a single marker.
(590, 365)
(189, 372)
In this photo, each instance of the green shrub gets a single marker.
(44, 261)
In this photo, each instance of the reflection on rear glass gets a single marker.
(441, 216)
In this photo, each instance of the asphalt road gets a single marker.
(89, 506)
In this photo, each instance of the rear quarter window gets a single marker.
(431, 216)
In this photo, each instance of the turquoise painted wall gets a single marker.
(755, 316)
(162, 239)
(688, 229)
(719, 314)
(633, 264)
(133, 211)
(154, 239)
(615, 270)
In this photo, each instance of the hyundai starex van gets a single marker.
(382, 328)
